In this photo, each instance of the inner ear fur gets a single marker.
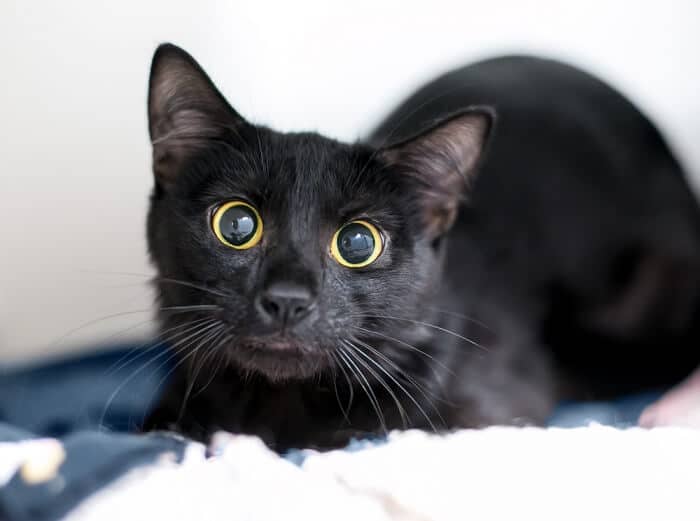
(442, 161)
(185, 110)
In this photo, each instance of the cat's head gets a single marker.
(274, 250)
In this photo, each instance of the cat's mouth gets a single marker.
(277, 344)
(278, 357)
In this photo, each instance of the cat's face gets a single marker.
(289, 246)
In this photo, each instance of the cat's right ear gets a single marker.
(185, 111)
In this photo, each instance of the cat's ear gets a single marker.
(442, 161)
(185, 110)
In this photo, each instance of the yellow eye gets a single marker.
(238, 225)
(356, 244)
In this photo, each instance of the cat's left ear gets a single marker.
(442, 161)
(185, 111)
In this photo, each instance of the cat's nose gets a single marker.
(285, 303)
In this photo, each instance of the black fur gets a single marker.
(569, 270)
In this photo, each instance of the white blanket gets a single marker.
(498, 473)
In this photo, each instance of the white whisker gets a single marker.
(426, 324)
(410, 380)
(174, 350)
(399, 407)
(364, 383)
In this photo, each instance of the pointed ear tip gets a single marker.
(481, 118)
(166, 48)
(169, 53)
(485, 113)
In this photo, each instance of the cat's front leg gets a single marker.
(512, 382)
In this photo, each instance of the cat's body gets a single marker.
(580, 222)
(571, 271)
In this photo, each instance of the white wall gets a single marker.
(74, 155)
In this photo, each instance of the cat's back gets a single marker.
(570, 156)
(548, 114)
(529, 94)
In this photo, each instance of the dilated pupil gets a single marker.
(238, 225)
(355, 243)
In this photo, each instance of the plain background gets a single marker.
(74, 151)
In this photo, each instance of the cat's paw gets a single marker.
(678, 407)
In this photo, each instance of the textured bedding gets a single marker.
(498, 473)
(66, 450)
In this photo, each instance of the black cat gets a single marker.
(315, 290)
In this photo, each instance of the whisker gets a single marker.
(173, 349)
(345, 410)
(155, 278)
(63, 337)
(203, 336)
(411, 347)
(212, 336)
(462, 316)
(161, 340)
(400, 372)
(410, 379)
(192, 285)
(180, 362)
(405, 376)
(429, 325)
(214, 351)
(399, 407)
(179, 309)
(364, 383)
(193, 307)
(263, 160)
(210, 351)
(120, 273)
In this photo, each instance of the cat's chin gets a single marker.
(278, 359)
